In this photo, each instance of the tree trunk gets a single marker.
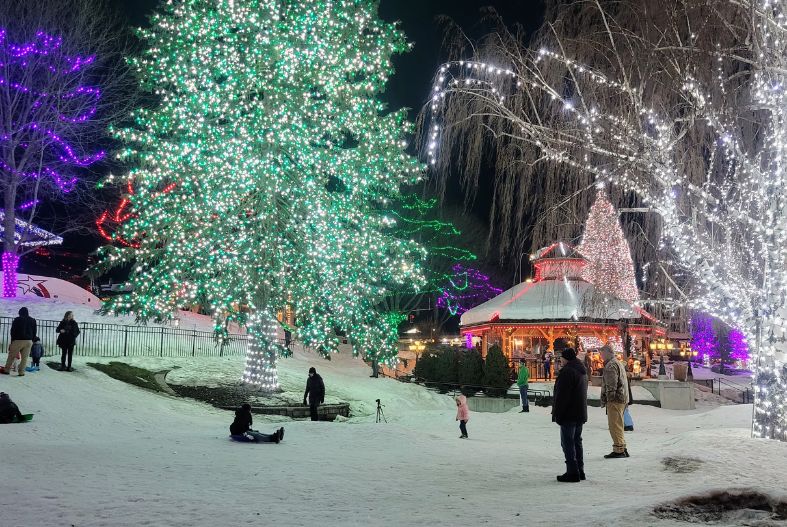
(10, 257)
(263, 349)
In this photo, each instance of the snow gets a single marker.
(548, 300)
(100, 452)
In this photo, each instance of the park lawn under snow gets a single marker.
(100, 452)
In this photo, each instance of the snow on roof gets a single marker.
(29, 235)
(549, 300)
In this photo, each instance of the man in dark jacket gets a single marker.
(8, 410)
(570, 411)
(315, 390)
(23, 329)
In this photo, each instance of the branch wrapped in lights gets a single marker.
(465, 289)
(46, 108)
(721, 207)
(264, 176)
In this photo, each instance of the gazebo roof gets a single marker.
(550, 300)
(29, 235)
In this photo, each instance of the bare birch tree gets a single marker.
(682, 107)
(63, 81)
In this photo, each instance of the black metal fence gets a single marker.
(117, 340)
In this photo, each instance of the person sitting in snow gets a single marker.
(240, 429)
(9, 411)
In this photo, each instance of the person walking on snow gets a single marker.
(23, 330)
(68, 331)
(240, 429)
(521, 381)
(462, 415)
(570, 412)
(315, 391)
(614, 397)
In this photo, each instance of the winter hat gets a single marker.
(312, 370)
(4, 395)
(606, 348)
(246, 406)
(23, 312)
(569, 354)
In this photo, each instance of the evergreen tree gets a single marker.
(471, 370)
(448, 365)
(426, 366)
(497, 373)
(263, 176)
(610, 267)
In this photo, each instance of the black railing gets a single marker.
(739, 393)
(117, 340)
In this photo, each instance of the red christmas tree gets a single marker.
(610, 267)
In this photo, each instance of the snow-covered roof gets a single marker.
(29, 235)
(549, 300)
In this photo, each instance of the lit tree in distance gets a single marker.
(264, 175)
(610, 267)
(466, 289)
(703, 337)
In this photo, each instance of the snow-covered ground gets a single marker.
(103, 453)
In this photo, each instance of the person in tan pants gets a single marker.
(23, 329)
(614, 397)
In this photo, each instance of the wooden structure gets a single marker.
(530, 318)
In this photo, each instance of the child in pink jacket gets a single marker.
(462, 415)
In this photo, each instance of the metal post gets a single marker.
(125, 340)
(161, 346)
(193, 341)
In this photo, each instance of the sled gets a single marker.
(26, 418)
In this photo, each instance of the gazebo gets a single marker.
(528, 319)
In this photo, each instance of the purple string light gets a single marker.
(466, 289)
(44, 57)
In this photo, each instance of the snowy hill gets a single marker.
(100, 452)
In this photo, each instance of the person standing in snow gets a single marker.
(23, 330)
(570, 412)
(521, 381)
(462, 415)
(8, 410)
(615, 398)
(240, 429)
(36, 352)
(548, 365)
(315, 391)
(68, 331)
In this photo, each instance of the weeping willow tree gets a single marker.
(680, 109)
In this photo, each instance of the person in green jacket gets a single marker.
(521, 381)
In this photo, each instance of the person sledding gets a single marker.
(9, 411)
(240, 429)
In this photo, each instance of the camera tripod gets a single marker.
(380, 414)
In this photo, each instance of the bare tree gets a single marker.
(684, 108)
(63, 81)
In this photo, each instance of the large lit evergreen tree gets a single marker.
(610, 267)
(262, 176)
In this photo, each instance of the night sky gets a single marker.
(408, 88)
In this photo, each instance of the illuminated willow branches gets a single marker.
(683, 108)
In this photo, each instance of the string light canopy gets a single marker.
(264, 175)
(728, 229)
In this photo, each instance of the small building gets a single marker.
(528, 320)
